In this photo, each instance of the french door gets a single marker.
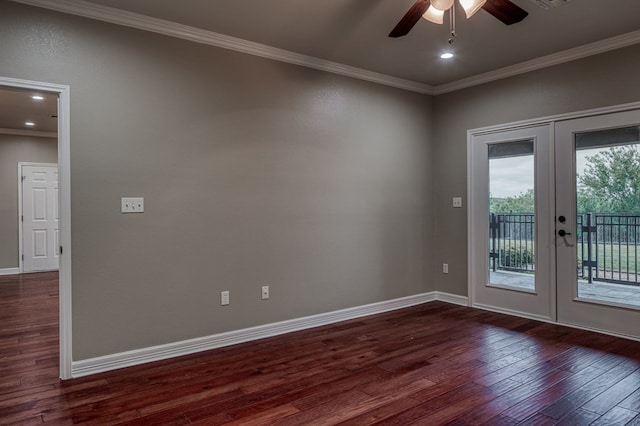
(511, 221)
(598, 210)
(554, 221)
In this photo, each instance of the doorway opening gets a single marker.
(42, 124)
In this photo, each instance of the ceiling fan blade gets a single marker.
(506, 11)
(410, 18)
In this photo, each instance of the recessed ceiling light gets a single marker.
(447, 55)
(37, 97)
(29, 123)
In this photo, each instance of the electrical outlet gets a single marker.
(132, 205)
(265, 292)
(224, 298)
(457, 202)
(445, 268)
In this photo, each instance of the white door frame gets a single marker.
(551, 120)
(540, 302)
(20, 212)
(64, 167)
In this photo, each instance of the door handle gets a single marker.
(563, 233)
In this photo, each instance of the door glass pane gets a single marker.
(512, 215)
(608, 215)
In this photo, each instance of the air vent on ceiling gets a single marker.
(548, 4)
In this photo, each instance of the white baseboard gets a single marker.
(156, 353)
(512, 313)
(452, 298)
(551, 321)
(9, 271)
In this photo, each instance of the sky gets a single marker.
(509, 177)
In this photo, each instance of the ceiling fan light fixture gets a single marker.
(442, 4)
(434, 15)
(471, 6)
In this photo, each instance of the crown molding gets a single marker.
(569, 55)
(172, 29)
(34, 133)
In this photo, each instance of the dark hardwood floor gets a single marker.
(431, 364)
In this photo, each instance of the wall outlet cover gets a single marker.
(132, 205)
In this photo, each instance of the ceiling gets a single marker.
(354, 33)
(17, 107)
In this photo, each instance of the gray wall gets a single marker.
(15, 149)
(597, 81)
(254, 172)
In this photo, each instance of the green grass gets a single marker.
(613, 257)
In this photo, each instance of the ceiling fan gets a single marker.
(433, 10)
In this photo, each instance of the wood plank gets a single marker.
(616, 416)
(585, 393)
(429, 364)
(540, 400)
(615, 394)
(579, 417)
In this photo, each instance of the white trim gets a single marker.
(540, 301)
(549, 321)
(34, 133)
(549, 119)
(512, 312)
(185, 347)
(597, 330)
(470, 234)
(161, 26)
(9, 271)
(20, 213)
(172, 29)
(569, 55)
(594, 301)
(452, 298)
(64, 170)
(20, 230)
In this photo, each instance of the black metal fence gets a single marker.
(512, 242)
(608, 245)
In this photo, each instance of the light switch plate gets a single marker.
(457, 202)
(224, 298)
(132, 205)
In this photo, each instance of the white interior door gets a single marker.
(39, 217)
(512, 258)
(598, 208)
